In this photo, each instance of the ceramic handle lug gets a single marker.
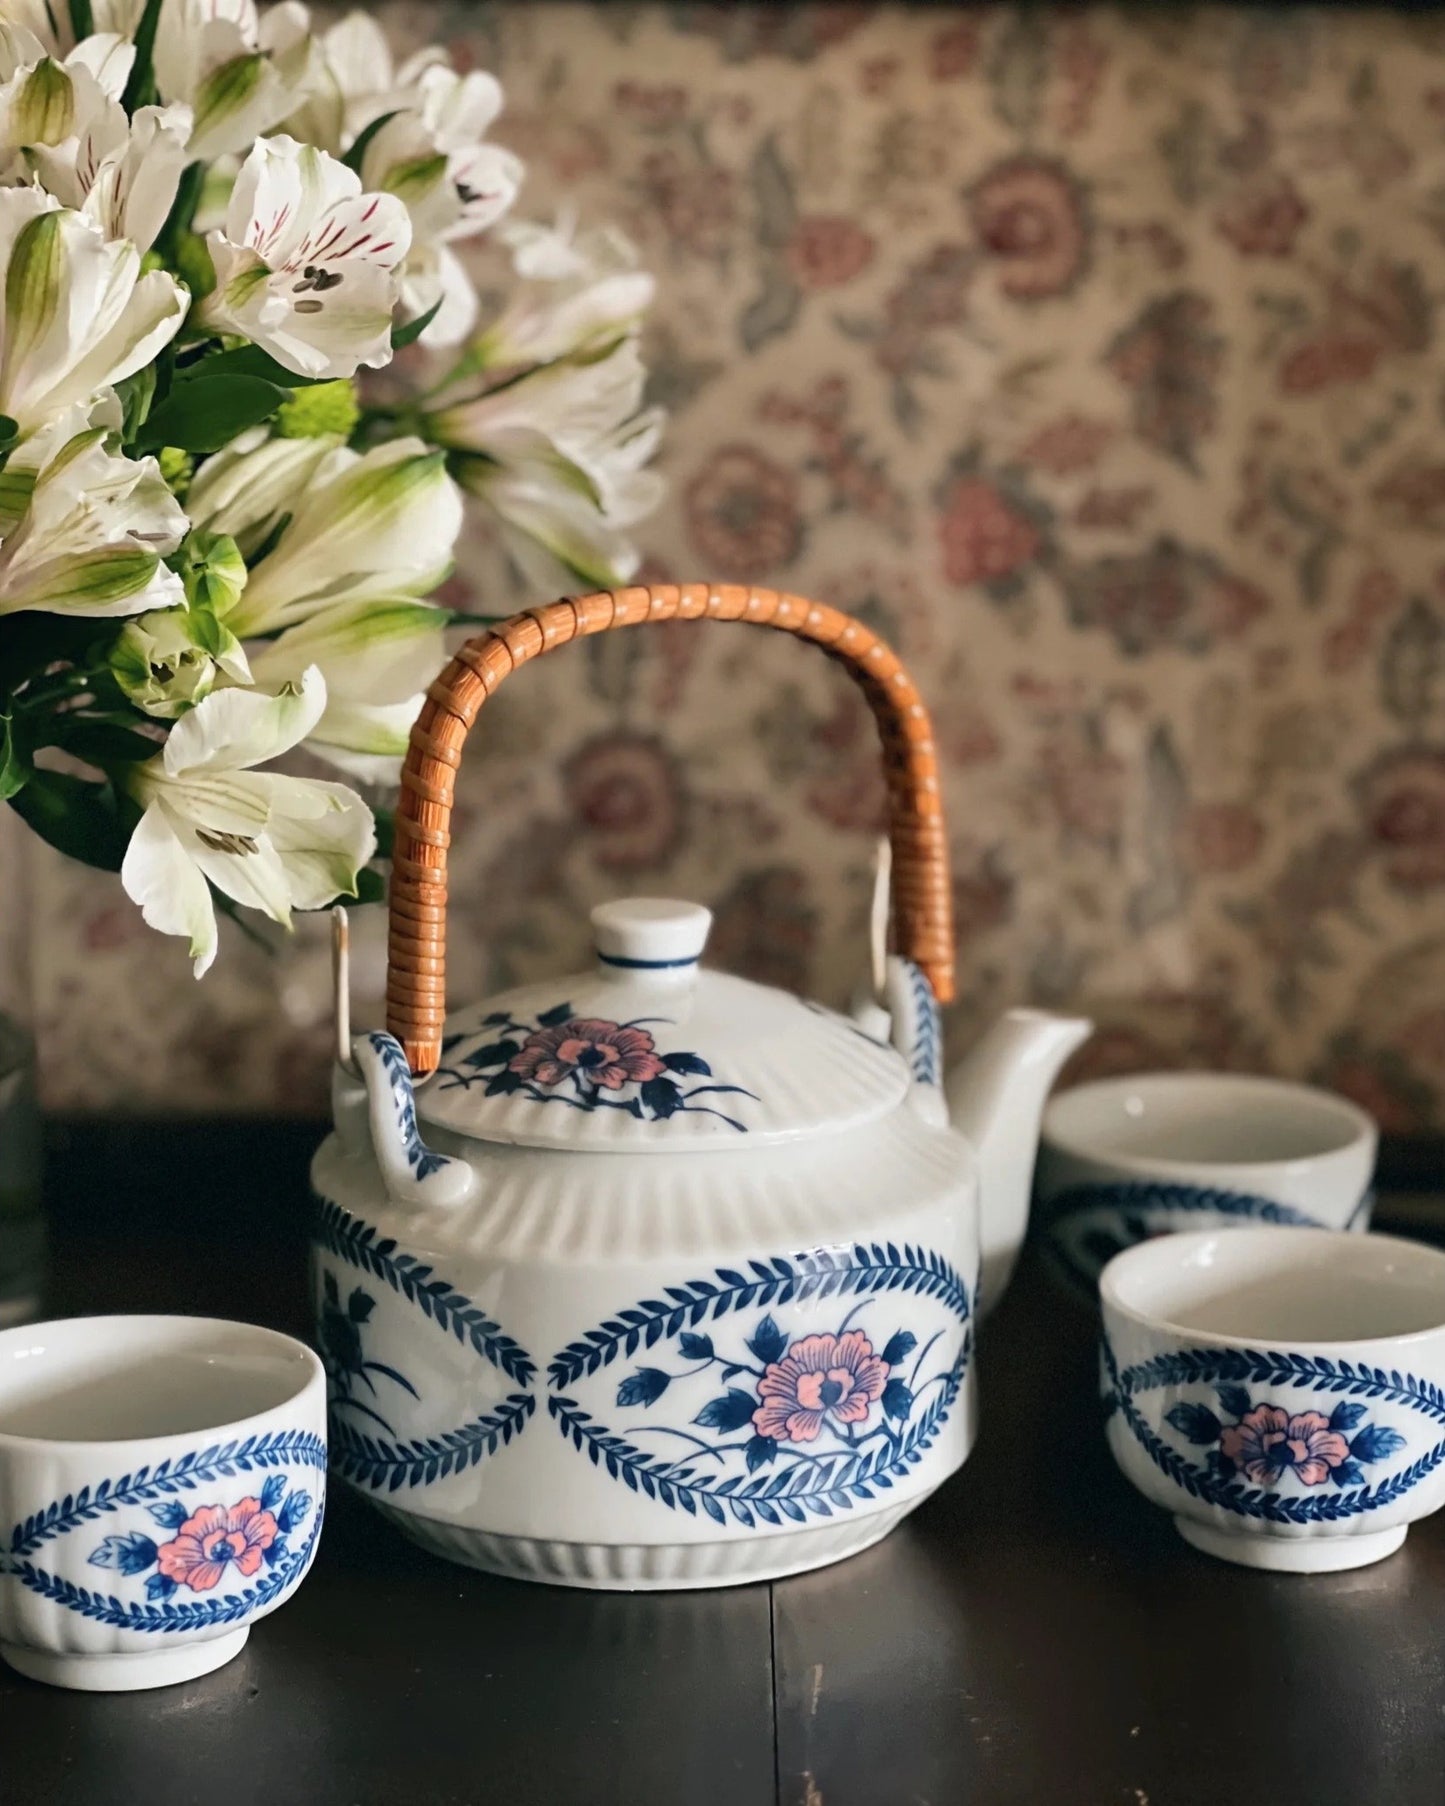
(412, 1172)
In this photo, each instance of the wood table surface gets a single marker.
(1034, 1634)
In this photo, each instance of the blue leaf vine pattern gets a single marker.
(360, 1246)
(586, 1063)
(925, 1056)
(343, 1355)
(1260, 1441)
(386, 1466)
(803, 1426)
(270, 1518)
(389, 1461)
(169, 1615)
(1089, 1224)
(419, 1157)
(278, 1448)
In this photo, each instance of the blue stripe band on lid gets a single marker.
(647, 965)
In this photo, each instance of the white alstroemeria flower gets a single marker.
(579, 291)
(245, 488)
(307, 264)
(559, 456)
(239, 72)
(77, 314)
(560, 521)
(432, 157)
(109, 56)
(20, 47)
(358, 82)
(169, 661)
(120, 172)
(83, 531)
(382, 523)
(51, 111)
(378, 658)
(270, 842)
(49, 22)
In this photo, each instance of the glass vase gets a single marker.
(22, 1230)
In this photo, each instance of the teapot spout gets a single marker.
(996, 1099)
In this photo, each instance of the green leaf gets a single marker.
(13, 770)
(183, 207)
(100, 743)
(136, 395)
(1412, 665)
(9, 431)
(245, 360)
(772, 186)
(84, 821)
(206, 413)
(402, 336)
(385, 820)
(370, 887)
(81, 21)
(139, 88)
(1018, 67)
(773, 310)
(353, 157)
(190, 258)
(31, 641)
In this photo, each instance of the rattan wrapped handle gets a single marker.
(922, 897)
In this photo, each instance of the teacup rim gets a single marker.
(1344, 1239)
(177, 1441)
(1365, 1127)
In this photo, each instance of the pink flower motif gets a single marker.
(1261, 220)
(744, 514)
(1268, 1440)
(1402, 795)
(984, 536)
(213, 1538)
(1032, 221)
(605, 1053)
(627, 793)
(828, 250)
(820, 1377)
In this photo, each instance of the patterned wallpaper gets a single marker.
(1096, 358)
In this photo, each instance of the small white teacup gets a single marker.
(1281, 1391)
(1124, 1159)
(162, 1486)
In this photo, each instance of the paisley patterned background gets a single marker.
(1094, 357)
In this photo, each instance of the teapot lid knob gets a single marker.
(651, 934)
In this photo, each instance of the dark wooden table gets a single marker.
(1034, 1634)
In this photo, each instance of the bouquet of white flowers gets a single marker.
(214, 546)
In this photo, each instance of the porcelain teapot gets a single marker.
(651, 1276)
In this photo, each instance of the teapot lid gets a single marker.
(650, 1052)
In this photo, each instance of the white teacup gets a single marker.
(162, 1486)
(1280, 1391)
(1124, 1159)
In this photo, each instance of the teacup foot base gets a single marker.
(126, 1673)
(1292, 1554)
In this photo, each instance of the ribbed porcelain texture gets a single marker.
(591, 1212)
(646, 1567)
(700, 1059)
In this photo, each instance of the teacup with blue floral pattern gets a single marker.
(1281, 1391)
(162, 1486)
(1122, 1160)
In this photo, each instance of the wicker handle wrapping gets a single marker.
(922, 900)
